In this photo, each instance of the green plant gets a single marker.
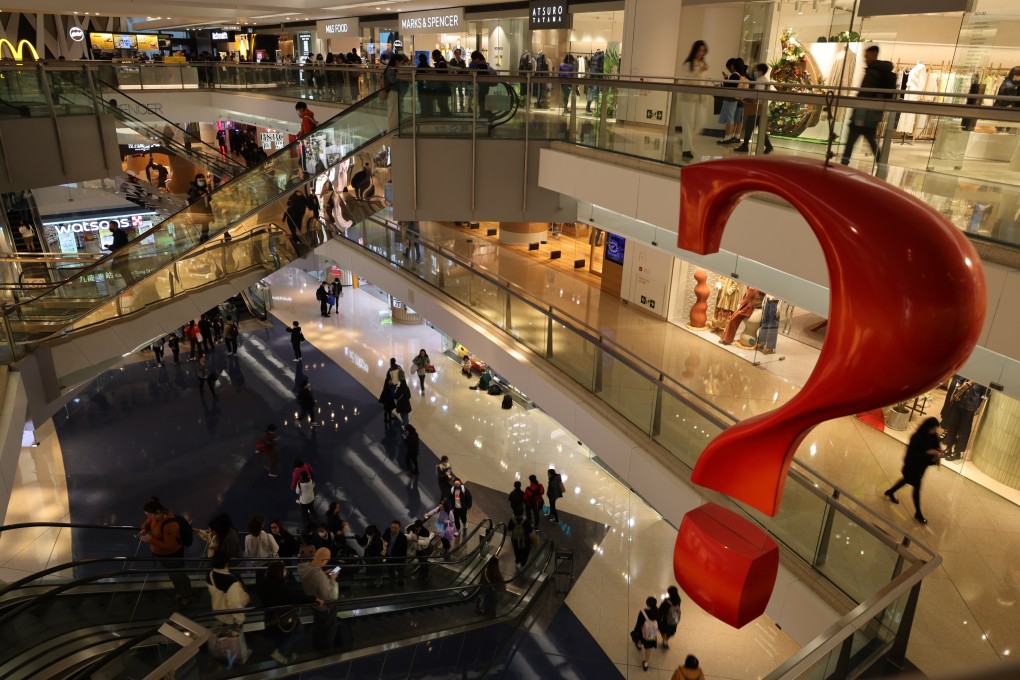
(844, 37)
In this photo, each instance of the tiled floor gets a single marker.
(858, 458)
(488, 446)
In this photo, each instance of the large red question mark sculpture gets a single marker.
(906, 305)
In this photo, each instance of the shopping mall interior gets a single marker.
(434, 341)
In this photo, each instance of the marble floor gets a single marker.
(968, 607)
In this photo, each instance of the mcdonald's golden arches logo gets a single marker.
(18, 53)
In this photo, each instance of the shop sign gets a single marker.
(99, 223)
(434, 21)
(272, 140)
(76, 34)
(305, 44)
(549, 14)
(875, 8)
(339, 28)
(18, 53)
(220, 35)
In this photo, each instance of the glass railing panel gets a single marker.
(683, 430)
(528, 325)
(798, 523)
(488, 299)
(574, 356)
(628, 391)
(857, 561)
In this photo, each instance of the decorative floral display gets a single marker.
(791, 69)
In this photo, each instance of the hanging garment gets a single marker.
(916, 78)
(729, 295)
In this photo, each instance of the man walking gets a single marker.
(296, 338)
(322, 295)
(878, 75)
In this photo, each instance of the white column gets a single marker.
(650, 29)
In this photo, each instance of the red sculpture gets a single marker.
(906, 305)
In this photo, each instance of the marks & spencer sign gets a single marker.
(339, 28)
(549, 14)
(433, 21)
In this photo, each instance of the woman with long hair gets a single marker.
(694, 68)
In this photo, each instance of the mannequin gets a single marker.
(743, 311)
(769, 326)
(750, 329)
(962, 402)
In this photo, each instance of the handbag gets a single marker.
(430, 368)
(288, 620)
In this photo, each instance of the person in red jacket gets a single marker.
(308, 122)
(162, 531)
(193, 333)
(534, 501)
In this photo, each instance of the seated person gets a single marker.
(484, 381)
(465, 366)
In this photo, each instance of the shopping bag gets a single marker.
(430, 368)
(331, 299)
(229, 646)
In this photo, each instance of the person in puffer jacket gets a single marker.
(226, 590)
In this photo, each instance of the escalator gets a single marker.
(55, 625)
(235, 239)
(258, 299)
(503, 102)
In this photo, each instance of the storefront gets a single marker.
(91, 233)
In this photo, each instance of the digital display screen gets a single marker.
(147, 42)
(101, 41)
(125, 41)
(614, 248)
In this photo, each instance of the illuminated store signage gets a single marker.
(75, 34)
(435, 21)
(220, 35)
(18, 53)
(549, 14)
(101, 224)
(272, 140)
(339, 28)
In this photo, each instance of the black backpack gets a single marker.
(187, 535)
(508, 401)
(494, 390)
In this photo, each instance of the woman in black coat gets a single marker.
(922, 452)
(402, 395)
(412, 442)
(389, 403)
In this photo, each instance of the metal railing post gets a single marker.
(843, 663)
(527, 125)
(898, 652)
(474, 137)
(822, 551)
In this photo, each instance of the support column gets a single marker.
(522, 233)
(650, 29)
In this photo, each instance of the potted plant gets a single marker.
(898, 416)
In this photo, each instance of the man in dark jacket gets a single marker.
(877, 76)
(396, 550)
(322, 295)
(516, 498)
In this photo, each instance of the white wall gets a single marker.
(649, 48)
(647, 277)
(767, 245)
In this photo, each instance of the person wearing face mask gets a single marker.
(200, 206)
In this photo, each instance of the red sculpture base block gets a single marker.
(725, 564)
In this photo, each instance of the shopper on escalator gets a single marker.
(297, 206)
(200, 205)
(162, 531)
(117, 246)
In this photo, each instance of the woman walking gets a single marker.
(421, 364)
(669, 615)
(306, 498)
(922, 452)
(646, 630)
(402, 395)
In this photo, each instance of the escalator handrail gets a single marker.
(84, 580)
(213, 151)
(89, 670)
(545, 552)
(161, 226)
(362, 602)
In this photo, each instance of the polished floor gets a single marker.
(967, 615)
(154, 419)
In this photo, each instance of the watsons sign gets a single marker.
(339, 28)
(99, 224)
(435, 21)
